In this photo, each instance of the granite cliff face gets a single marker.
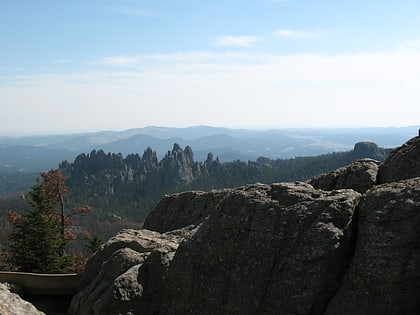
(347, 242)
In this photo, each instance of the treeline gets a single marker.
(127, 188)
(123, 190)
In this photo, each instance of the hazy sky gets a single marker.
(119, 64)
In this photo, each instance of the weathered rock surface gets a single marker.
(402, 163)
(266, 249)
(384, 275)
(127, 274)
(13, 304)
(183, 209)
(360, 176)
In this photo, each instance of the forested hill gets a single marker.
(130, 186)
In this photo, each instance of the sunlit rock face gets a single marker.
(13, 304)
(402, 163)
(359, 176)
(265, 248)
(384, 274)
(126, 276)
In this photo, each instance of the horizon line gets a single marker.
(252, 128)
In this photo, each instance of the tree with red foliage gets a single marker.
(56, 189)
(39, 236)
(36, 244)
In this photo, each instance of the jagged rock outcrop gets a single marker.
(402, 163)
(133, 185)
(126, 276)
(178, 167)
(13, 304)
(286, 248)
(360, 176)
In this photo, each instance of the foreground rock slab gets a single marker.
(266, 249)
(13, 304)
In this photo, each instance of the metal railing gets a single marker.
(49, 284)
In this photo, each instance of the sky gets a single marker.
(85, 65)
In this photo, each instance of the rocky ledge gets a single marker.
(347, 242)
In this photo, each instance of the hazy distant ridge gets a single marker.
(38, 153)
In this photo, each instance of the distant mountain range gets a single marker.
(28, 154)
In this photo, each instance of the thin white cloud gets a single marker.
(236, 41)
(199, 57)
(118, 60)
(289, 33)
(362, 67)
(171, 59)
(135, 12)
(225, 89)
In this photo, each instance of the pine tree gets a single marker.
(93, 244)
(37, 244)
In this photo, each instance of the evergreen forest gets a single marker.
(121, 191)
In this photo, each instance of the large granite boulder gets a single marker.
(183, 209)
(126, 276)
(265, 249)
(384, 274)
(13, 304)
(402, 163)
(360, 176)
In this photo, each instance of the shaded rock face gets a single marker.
(178, 166)
(402, 163)
(360, 176)
(13, 304)
(126, 276)
(279, 249)
(370, 150)
(384, 275)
